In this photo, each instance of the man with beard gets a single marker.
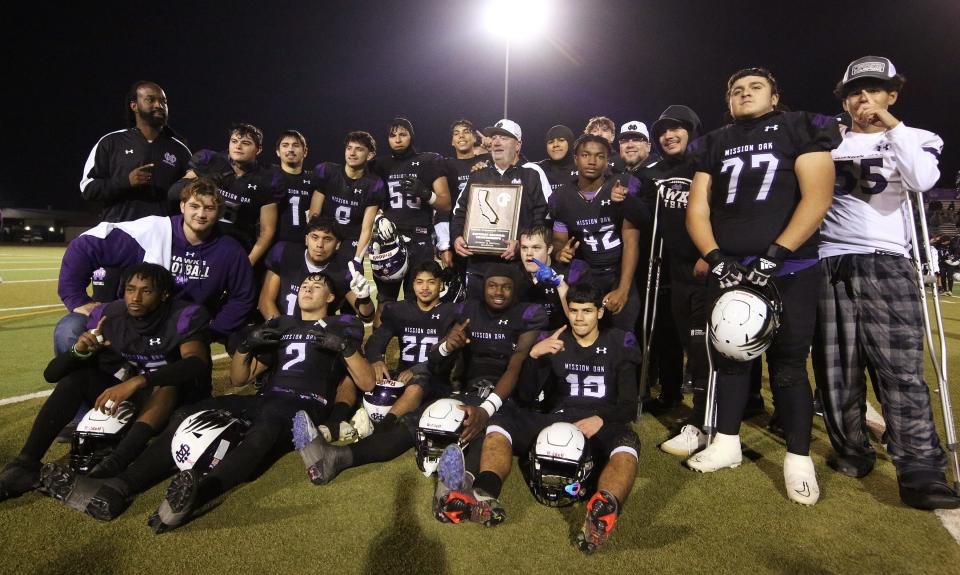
(350, 195)
(249, 190)
(158, 347)
(589, 224)
(559, 167)
(416, 186)
(129, 171)
(506, 140)
(634, 142)
(296, 187)
(205, 263)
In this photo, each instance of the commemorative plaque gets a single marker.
(491, 217)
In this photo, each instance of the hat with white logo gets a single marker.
(869, 67)
(634, 128)
(504, 127)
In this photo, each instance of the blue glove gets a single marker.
(546, 274)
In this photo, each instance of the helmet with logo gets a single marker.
(440, 426)
(559, 465)
(205, 438)
(377, 403)
(744, 321)
(388, 255)
(98, 433)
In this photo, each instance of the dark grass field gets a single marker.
(377, 519)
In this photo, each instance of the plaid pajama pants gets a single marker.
(869, 317)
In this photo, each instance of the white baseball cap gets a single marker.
(505, 127)
(635, 127)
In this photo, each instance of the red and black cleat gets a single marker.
(602, 512)
(458, 506)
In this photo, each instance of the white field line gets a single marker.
(45, 393)
(28, 269)
(50, 261)
(28, 281)
(3, 309)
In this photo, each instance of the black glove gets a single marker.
(388, 422)
(260, 338)
(414, 188)
(729, 271)
(766, 266)
(329, 341)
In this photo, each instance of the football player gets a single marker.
(506, 139)
(466, 160)
(588, 224)
(296, 187)
(350, 195)
(288, 263)
(761, 187)
(249, 191)
(149, 348)
(559, 166)
(303, 361)
(417, 324)
(595, 374)
(204, 262)
(869, 313)
(416, 185)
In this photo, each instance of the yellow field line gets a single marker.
(28, 314)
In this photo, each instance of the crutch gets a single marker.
(939, 364)
(650, 310)
(710, 413)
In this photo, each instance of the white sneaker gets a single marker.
(722, 453)
(801, 479)
(689, 441)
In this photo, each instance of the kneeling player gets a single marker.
(304, 360)
(156, 351)
(417, 324)
(595, 374)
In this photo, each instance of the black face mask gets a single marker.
(149, 323)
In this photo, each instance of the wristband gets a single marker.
(713, 257)
(487, 406)
(778, 252)
(443, 349)
(79, 355)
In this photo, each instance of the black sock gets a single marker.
(131, 445)
(56, 412)
(489, 482)
(383, 446)
(732, 392)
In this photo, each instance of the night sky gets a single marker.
(329, 67)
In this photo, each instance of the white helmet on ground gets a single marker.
(743, 323)
(560, 463)
(97, 433)
(204, 438)
(440, 426)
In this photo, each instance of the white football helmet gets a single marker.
(560, 463)
(378, 402)
(204, 438)
(440, 426)
(743, 323)
(96, 434)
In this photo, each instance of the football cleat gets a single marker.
(304, 431)
(474, 506)
(109, 501)
(602, 512)
(800, 478)
(722, 453)
(178, 504)
(689, 441)
(323, 461)
(18, 477)
(451, 469)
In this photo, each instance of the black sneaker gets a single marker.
(849, 467)
(176, 507)
(932, 495)
(18, 477)
(602, 512)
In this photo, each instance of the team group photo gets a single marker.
(517, 325)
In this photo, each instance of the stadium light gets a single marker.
(514, 21)
(50, 229)
(26, 228)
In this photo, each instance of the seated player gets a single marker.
(304, 360)
(204, 262)
(156, 346)
(288, 264)
(350, 194)
(589, 224)
(417, 324)
(594, 371)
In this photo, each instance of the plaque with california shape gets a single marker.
(491, 217)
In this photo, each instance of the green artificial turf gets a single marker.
(377, 519)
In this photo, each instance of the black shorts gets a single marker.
(522, 427)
